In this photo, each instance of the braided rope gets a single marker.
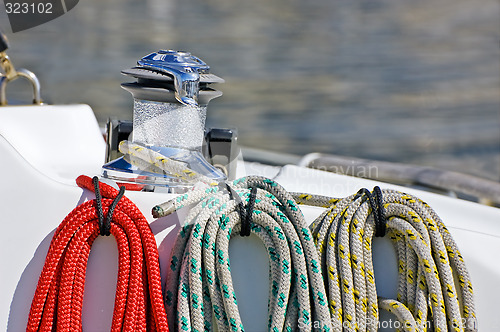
(199, 288)
(428, 260)
(58, 299)
(147, 159)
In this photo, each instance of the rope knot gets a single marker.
(376, 202)
(245, 214)
(105, 224)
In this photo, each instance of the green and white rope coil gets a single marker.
(428, 259)
(199, 285)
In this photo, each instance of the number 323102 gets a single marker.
(28, 8)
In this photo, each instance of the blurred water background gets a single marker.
(397, 80)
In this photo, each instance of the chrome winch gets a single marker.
(165, 148)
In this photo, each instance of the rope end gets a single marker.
(157, 212)
(163, 210)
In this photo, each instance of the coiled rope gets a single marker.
(199, 282)
(199, 286)
(428, 261)
(57, 303)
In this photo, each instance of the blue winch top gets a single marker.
(161, 69)
(166, 61)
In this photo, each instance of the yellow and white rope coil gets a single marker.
(429, 262)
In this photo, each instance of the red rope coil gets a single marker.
(58, 299)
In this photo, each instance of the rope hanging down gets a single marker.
(428, 259)
(199, 286)
(57, 303)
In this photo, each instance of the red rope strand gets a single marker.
(58, 299)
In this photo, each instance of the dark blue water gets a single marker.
(407, 81)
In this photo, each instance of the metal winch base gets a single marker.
(150, 177)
